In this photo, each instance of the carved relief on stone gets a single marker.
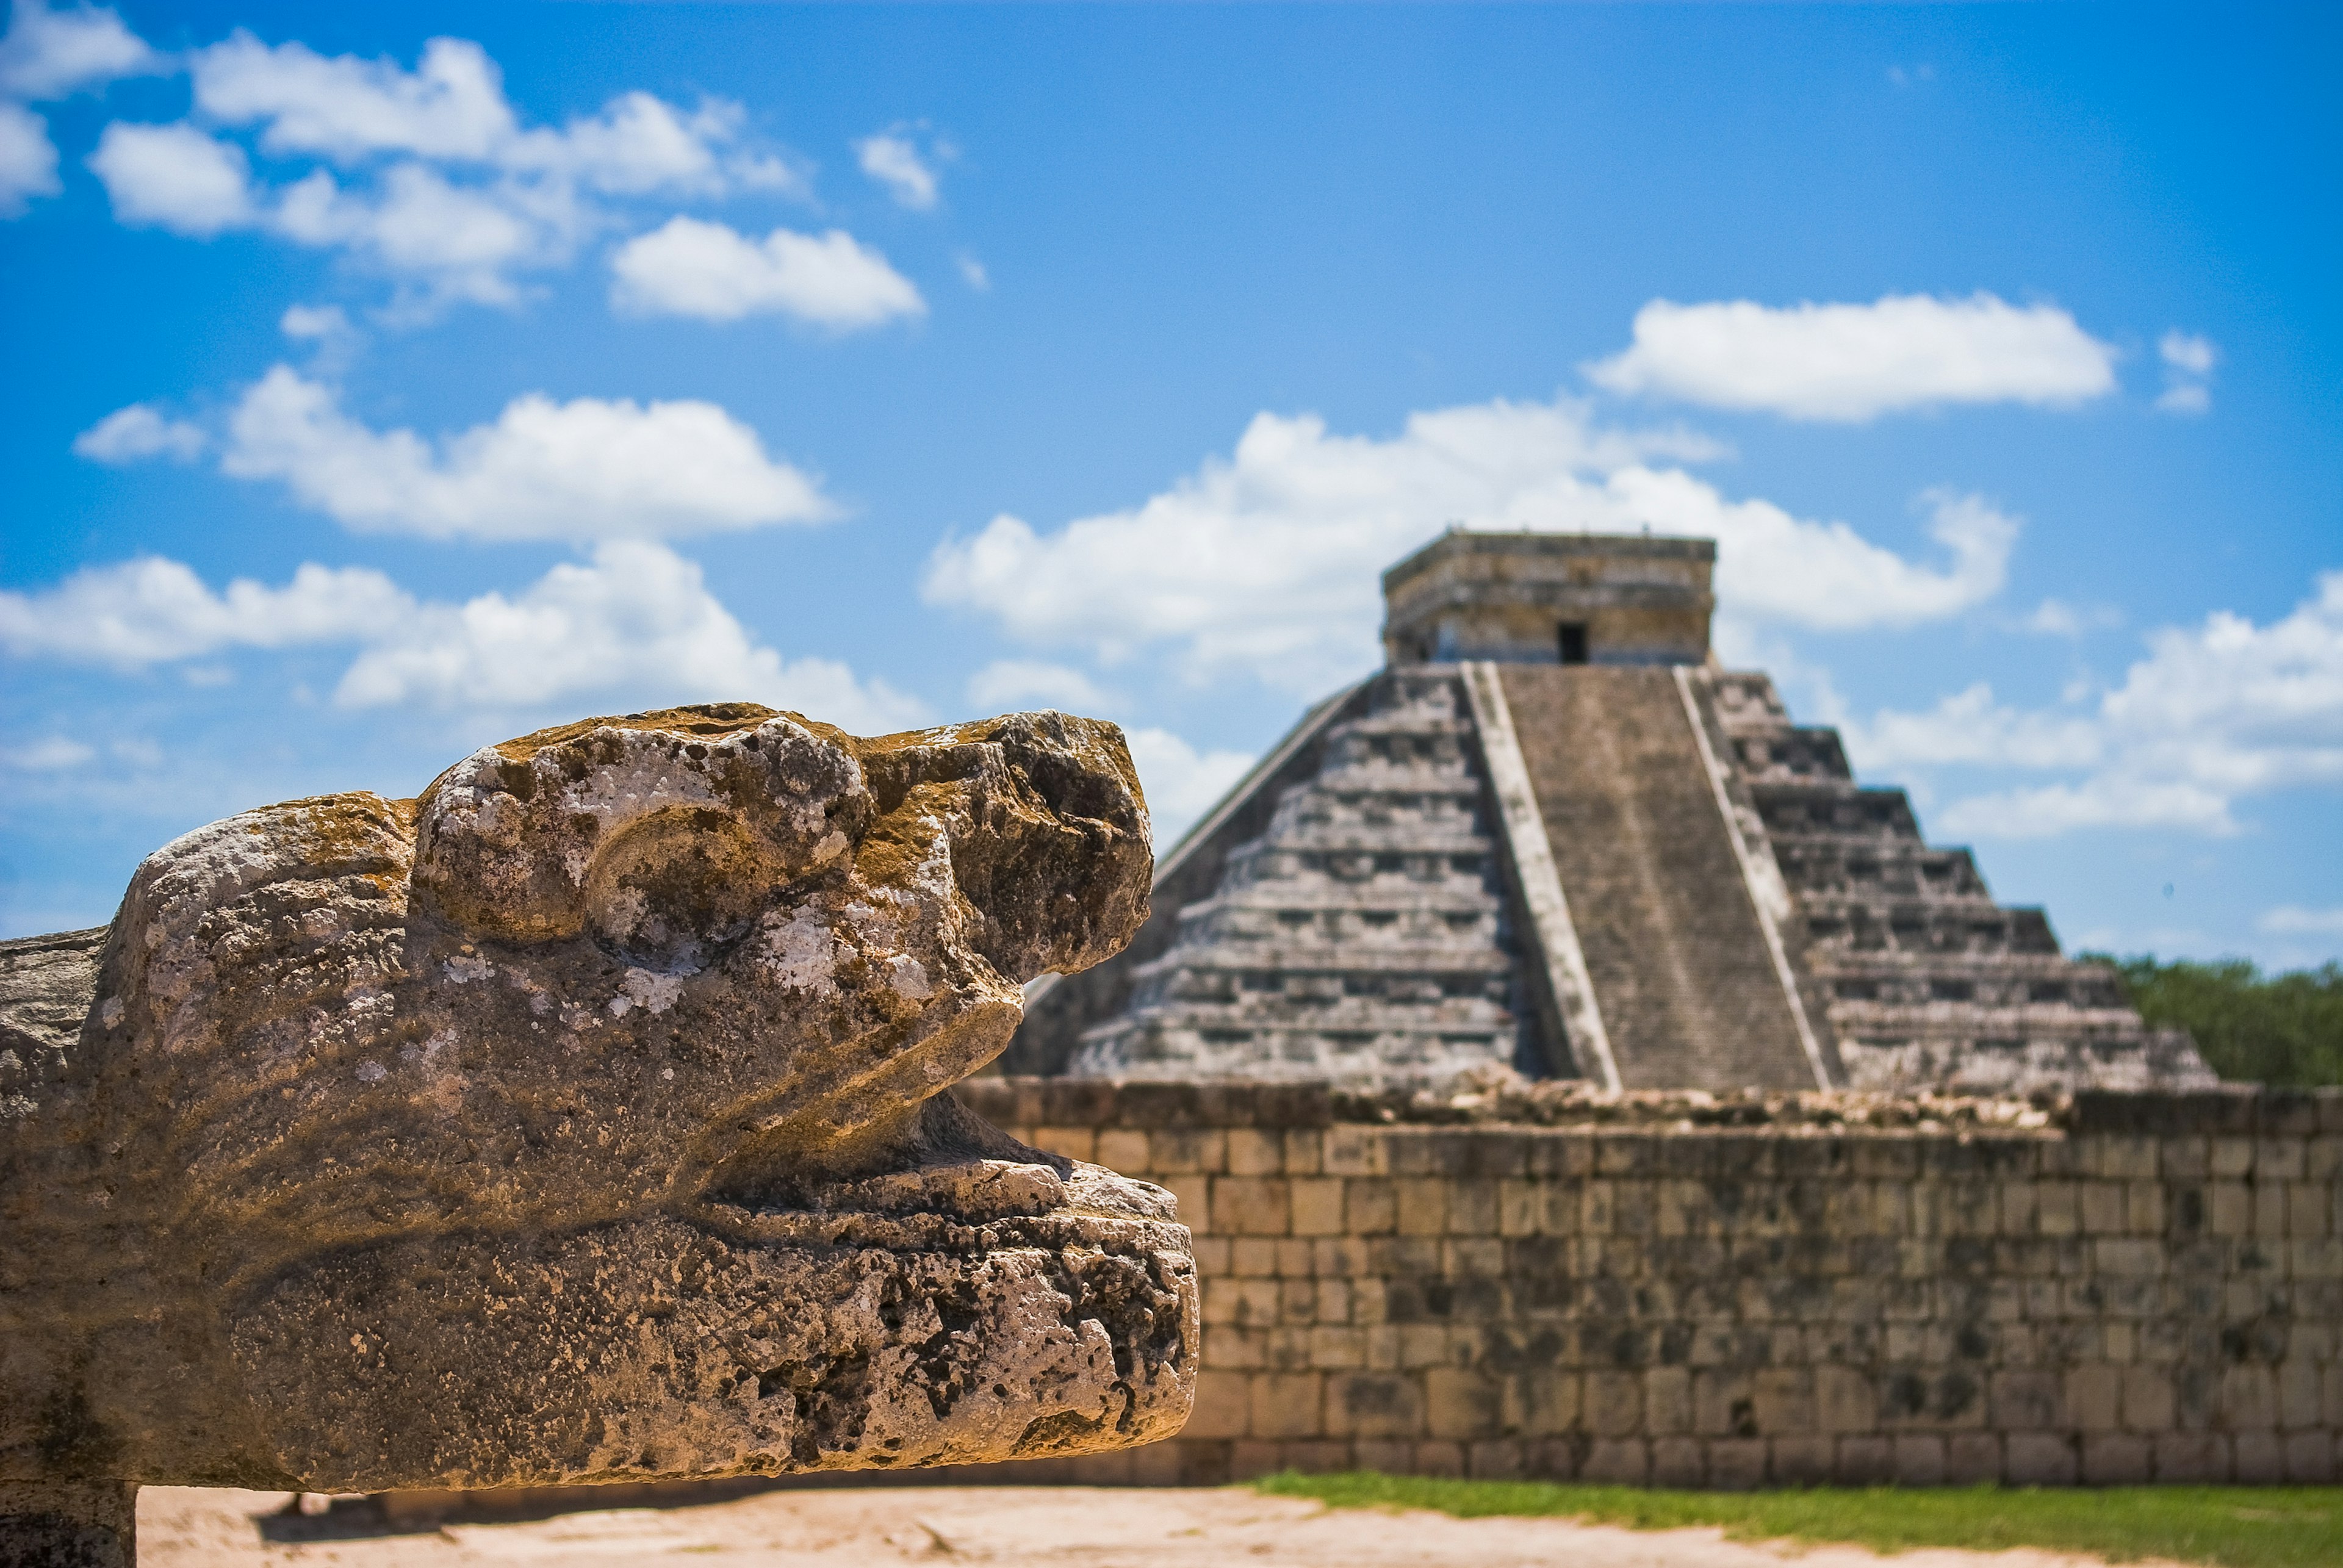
(584, 1119)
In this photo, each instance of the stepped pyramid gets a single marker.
(1364, 933)
(1552, 835)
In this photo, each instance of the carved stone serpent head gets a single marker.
(584, 1119)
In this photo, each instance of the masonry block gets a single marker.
(1845, 1399)
(1252, 1257)
(2249, 1399)
(2310, 1458)
(2147, 1401)
(1668, 1401)
(2022, 1401)
(2116, 1459)
(1193, 1194)
(1864, 1462)
(1354, 1152)
(1423, 1205)
(1617, 1462)
(1677, 1462)
(2299, 1405)
(1317, 1207)
(1375, 1405)
(1370, 1206)
(1459, 1404)
(1116, 1147)
(1802, 1461)
(2257, 1458)
(1224, 1404)
(1249, 1205)
(1972, 1458)
(1188, 1151)
(1540, 1399)
(2041, 1459)
(1919, 1459)
(1438, 1457)
(1073, 1142)
(2229, 1208)
(2094, 1398)
(1497, 1459)
(2190, 1456)
(1287, 1404)
(1250, 1459)
(1255, 1151)
(1473, 1209)
(1614, 1403)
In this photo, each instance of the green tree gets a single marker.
(2285, 1029)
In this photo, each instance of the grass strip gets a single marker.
(2230, 1526)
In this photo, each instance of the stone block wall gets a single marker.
(1682, 1289)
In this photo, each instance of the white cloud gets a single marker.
(2056, 618)
(315, 323)
(635, 626)
(591, 468)
(2293, 919)
(50, 54)
(441, 187)
(28, 159)
(636, 621)
(50, 754)
(463, 242)
(1971, 728)
(689, 267)
(2189, 359)
(452, 109)
(151, 610)
(1268, 560)
(2187, 352)
(175, 177)
(139, 431)
(332, 340)
(1855, 362)
(972, 273)
(2103, 800)
(1181, 783)
(1013, 683)
(640, 143)
(2213, 715)
(1773, 566)
(893, 160)
(451, 106)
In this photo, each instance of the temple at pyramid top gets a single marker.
(1549, 598)
(1553, 834)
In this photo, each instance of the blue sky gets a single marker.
(389, 380)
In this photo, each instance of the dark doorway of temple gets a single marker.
(1574, 642)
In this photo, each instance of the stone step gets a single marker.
(1921, 928)
(1805, 808)
(1788, 754)
(1687, 989)
(1822, 870)
(1294, 959)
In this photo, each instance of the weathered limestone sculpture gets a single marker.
(582, 1119)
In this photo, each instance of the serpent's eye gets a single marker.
(670, 892)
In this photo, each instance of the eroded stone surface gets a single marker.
(580, 1120)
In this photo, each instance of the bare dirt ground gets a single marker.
(1060, 1527)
